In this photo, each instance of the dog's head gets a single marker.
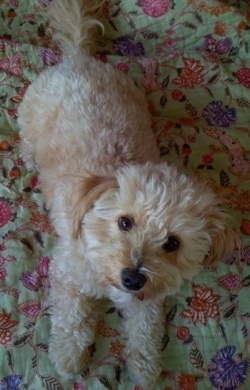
(149, 228)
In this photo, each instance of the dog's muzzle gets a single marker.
(132, 279)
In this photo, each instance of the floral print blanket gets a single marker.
(191, 59)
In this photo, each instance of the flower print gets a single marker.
(30, 309)
(230, 282)
(186, 382)
(190, 74)
(178, 95)
(43, 267)
(155, 8)
(12, 65)
(116, 348)
(217, 46)
(5, 328)
(34, 182)
(31, 281)
(78, 386)
(49, 57)
(183, 333)
(220, 29)
(246, 255)
(125, 46)
(13, 382)
(207, 159)
(122, 66)
(5, 213)
(202, 306)
(243, 76)
(3, 273)
(226, 370)
(245, 227)
(217, 115)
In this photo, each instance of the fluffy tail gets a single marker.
(76, 24)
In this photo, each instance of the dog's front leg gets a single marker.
(73, 321)
(143, 331)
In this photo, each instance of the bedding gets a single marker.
(191, 59)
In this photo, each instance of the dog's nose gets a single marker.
(132, 279)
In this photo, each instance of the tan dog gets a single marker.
(131, 227)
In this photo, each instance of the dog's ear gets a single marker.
(86, 192)
(222, 236)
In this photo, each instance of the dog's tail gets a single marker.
(76, 24)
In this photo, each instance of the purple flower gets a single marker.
(12, 382)
(49, 57)
(217, 115)
(31, 281)
(125, 46)
(211, 45)
(226, 371)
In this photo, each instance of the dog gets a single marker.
(131, 228)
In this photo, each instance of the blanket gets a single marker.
(191, 59)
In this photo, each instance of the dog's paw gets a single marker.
(143, 371)
(68, 359)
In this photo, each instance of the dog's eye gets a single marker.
(171, 245)
(125, 223)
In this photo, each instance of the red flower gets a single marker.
(177, 95)
(190, 74)
(123, 67)
(202, 306)
(207, 159)
(183, 333)
(243, 75)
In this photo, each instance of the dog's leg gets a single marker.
(73, 321)
(143, 326)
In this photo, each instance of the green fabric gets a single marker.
(191, 59)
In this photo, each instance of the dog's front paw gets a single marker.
(68, 358)
(143, 370)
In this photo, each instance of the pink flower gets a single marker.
(31, 281)
(155, 8)
(3, 273)
(78, 386)
(2, 247)
(123, 67)
(5, 214)
(170, 43)
(30, 309)
(230, 282)
(43, 267)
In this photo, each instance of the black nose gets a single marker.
(133, 279)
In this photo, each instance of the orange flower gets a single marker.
(202, 306)
(220, 29)
(116, 348)
(191, 73)
(5, 325)
(220, 9)
(186, 382)
(242, 25)
(187, 121)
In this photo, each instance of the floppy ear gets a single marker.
(222, 236)
(87, 191)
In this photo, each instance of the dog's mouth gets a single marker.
(138, 294)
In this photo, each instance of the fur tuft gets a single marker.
(76, 24)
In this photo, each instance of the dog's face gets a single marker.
(148, 229)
